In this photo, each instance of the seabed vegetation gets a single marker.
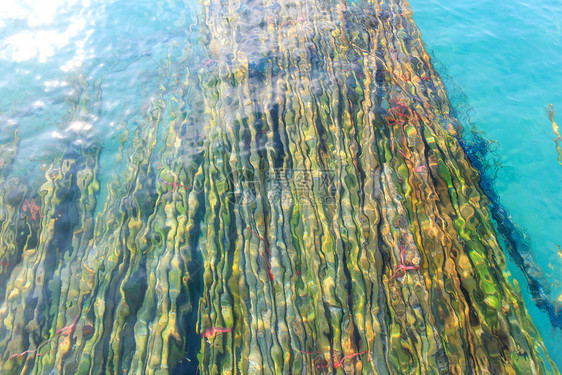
(293, 199)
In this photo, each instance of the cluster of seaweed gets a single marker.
(372, 250)
(482, 155)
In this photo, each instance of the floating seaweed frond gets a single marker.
(550, 112)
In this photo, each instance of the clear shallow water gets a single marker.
(507, 58)
(123, 48)
(47, 46)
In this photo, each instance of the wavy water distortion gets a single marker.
(516, 242)
(291, 200)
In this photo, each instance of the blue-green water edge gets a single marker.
(507, 58)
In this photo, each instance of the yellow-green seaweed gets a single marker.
(328, 157)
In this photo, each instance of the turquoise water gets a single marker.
(120, 47)
(509, 66)
(115, 44)
(507, 58)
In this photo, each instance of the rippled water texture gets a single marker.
(242, 187)
(508, 59)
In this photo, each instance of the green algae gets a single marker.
(303, 283)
